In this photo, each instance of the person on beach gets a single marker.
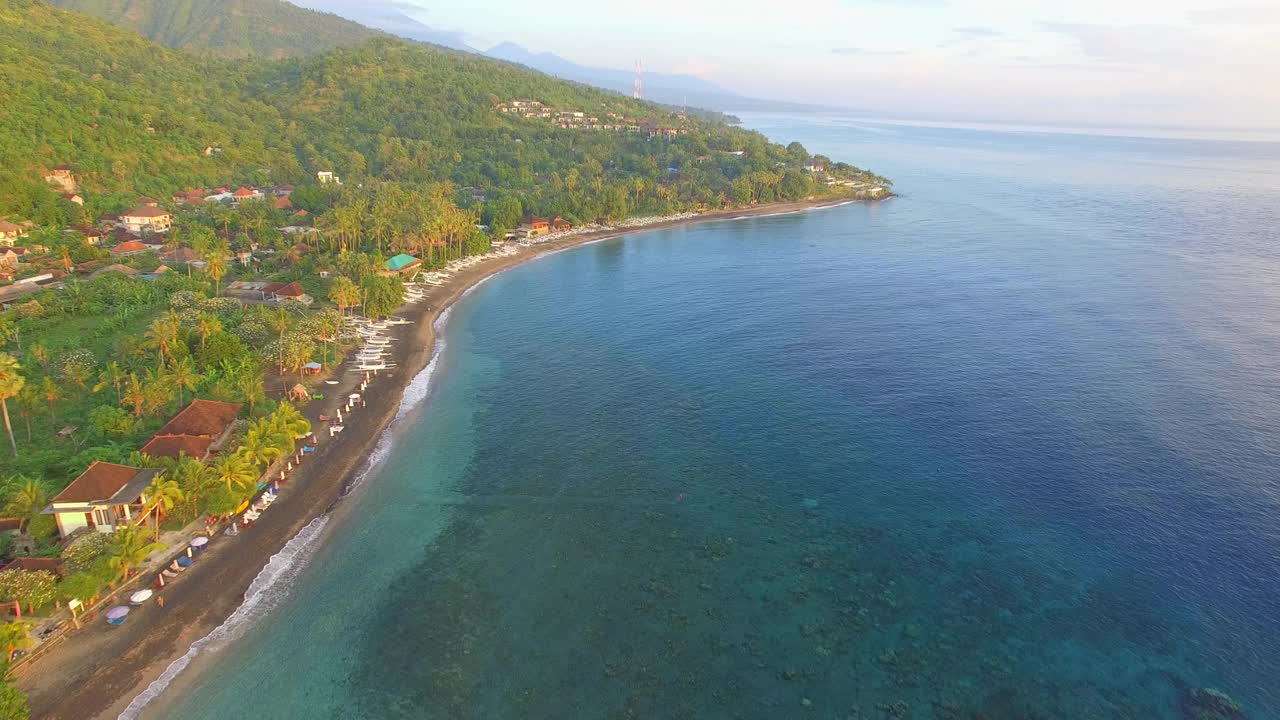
(160, 600)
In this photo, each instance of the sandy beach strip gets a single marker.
(98, 671)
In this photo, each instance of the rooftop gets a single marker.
(175, 446)
(105, 483)
(203, 418)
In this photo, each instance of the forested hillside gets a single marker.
(138, 118)
(229, 28)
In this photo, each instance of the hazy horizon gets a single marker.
(1184, 63)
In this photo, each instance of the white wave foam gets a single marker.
(267, 591)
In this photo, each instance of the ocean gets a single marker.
(1004, 446)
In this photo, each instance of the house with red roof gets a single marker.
(176, 446)
(188, 197)
(10, 233)
(130, 247)
(280, 292)
(534, 226)
(203, 418)
(146, 219)
(282, 203)
(92, 235)
(246, 193)
(105, 497)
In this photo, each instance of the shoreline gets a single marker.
(107, 668)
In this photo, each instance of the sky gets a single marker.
(1125, 63)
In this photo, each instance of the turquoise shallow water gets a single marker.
(1003, 447)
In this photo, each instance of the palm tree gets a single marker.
(28, 402)
(129, 549)
(161, 497)
(183, 375)
(344, 293)
(206, 325)
(8, 331)
(291, 420)
(134, 396)
(215, 264)
(265, 443)
(249, 385)
(234, 469)
(29, 498)
(11, 382)
(163, 335)
(51, 393)
(14, 636)
(40, 355)
(111, 375)
(191, 476)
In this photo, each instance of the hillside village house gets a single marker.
(402, 263)
(201, 428)
(246, 193)
(268, 291)
(324, 177)
(559, 224)
(130, 247)
(10, 233)
(146, 219)
(73, 198)
(92, 236)
(188, 197)
(534, 226)
(64, 177)
(105, 497)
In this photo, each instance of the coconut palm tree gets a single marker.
(111, 375)
(163, 335)
(15, 636)
(234, 470)
(183, 375)
(192, 477)
(51, 393)
(40, 354)
(265, 443)
(344, 293)
(11, 383)
(161, 496)
(29, 498)
(249, 385)
(207, 324)
(8, 331)
(135, 395)
(129, 549)
(215, 264)
(28, 402)
(291, 420)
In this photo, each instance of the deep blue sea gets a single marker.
(1004, 446)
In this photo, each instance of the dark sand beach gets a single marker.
(96, 672)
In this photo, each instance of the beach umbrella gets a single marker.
(117, 614)
(139, 597)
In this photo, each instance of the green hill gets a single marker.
(229, 28)
(136, 118)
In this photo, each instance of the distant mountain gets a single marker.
(666, 88)
(229, 28)
(388, 16)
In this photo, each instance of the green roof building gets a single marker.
(402, 262)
